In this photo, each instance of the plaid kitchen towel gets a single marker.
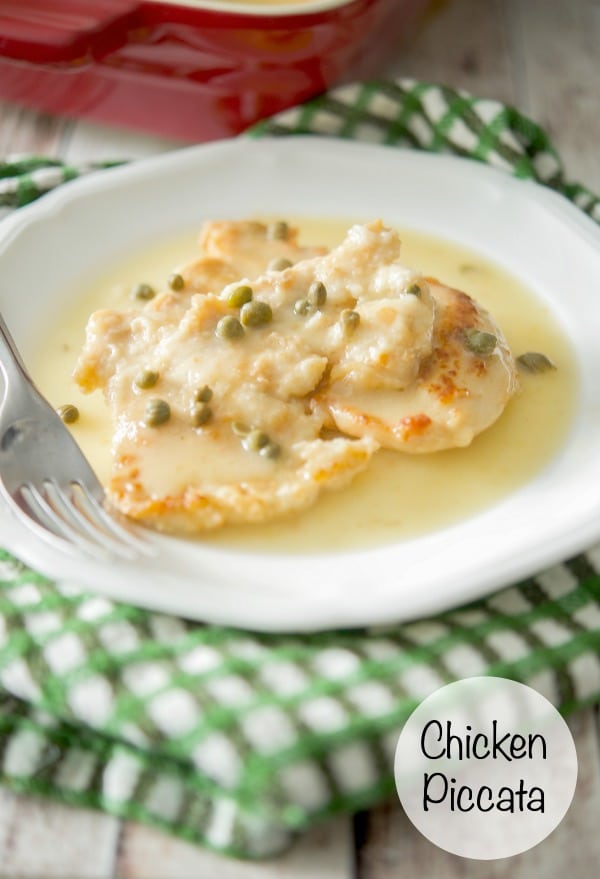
(238, 740)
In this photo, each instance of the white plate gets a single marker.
(533, 233)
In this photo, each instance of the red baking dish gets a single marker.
(193, 70)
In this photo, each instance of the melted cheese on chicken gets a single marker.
(356, 352)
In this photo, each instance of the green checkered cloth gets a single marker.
(238, 740)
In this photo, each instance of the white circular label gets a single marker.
(485, 768)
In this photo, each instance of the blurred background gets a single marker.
(540, 55)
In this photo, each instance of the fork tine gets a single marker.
(56, 517)
(36, 509)
(30, 519)
(64, 502)
(122, 529)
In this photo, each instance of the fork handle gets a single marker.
(11, 365)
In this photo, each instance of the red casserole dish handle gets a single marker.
(64, 31)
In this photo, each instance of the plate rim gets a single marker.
(97, 177)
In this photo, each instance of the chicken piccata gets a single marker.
(269, 373)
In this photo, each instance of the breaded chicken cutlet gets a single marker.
(276, 372)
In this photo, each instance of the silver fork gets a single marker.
(45, 477)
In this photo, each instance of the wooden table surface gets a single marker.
(542, 56)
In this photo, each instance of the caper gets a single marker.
(533, 361)
(278, 230)
(239, 296)
(350, 320)
(270, 450)
(413, 290)
(147, 378)
(280, 264)
(201, 414)
(229, 327)
(176, 281)
(68, 413)
(255, 440)
(303, 307)
(240, 429)
(256, 313)
(317, 294)
(204, 395)
(143, 291)
(157, 412)
(479, 341)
